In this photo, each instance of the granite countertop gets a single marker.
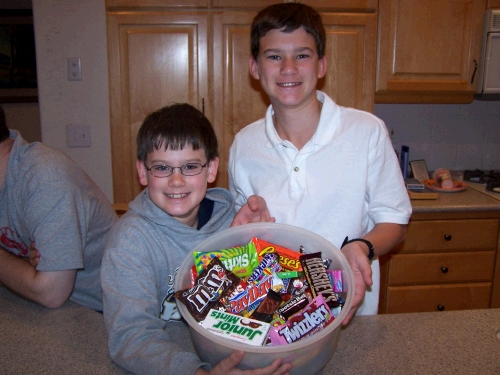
(467, 200)
(72, 340)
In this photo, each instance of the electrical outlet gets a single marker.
(78, 136)
(74, 69)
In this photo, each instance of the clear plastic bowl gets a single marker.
(308, 355)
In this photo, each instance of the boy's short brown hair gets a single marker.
(288, 17)
(173, 127)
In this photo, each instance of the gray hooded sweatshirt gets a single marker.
(143, 252)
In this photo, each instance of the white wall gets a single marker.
(456, 136)
(74, 28)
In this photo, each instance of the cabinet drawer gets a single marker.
(403, 299)
(471, 266)
(448, 235)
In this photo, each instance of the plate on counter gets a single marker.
(457, 186)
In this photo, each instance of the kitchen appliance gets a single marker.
(487, 182)
(489, 64)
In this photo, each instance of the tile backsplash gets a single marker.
(454, 136)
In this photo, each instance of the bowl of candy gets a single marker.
(271, 290)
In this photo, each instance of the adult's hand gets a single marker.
(228, 367)
(362, 271)
(254, 211)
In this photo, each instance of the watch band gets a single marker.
(371, 252)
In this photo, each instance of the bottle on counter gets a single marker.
(442, 178)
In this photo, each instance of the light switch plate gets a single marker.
(78, 136)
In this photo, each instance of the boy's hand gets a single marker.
(34, 255)
(254, 211)
(228, 367)
(362, 275)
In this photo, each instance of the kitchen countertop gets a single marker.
(72, 340)
(466, 200)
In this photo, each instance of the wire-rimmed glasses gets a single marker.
(162, 170)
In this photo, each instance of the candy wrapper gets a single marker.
(240, 260)
(268, 261)
(249, 331)
(313, 318)
(289, 259)
(212, 284)
(318, 279)
(336, 280)
(267, 307)
(251, 297)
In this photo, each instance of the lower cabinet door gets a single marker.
(426, 298)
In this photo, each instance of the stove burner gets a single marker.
(481, 176)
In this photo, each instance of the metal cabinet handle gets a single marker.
(447, 237)
(474, 73)
(440, 308)
(444, 269)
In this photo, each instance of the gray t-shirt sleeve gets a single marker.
(55, 218)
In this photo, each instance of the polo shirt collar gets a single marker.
(328, 123)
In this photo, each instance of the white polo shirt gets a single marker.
(341, 183)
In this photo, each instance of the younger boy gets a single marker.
(177, 156)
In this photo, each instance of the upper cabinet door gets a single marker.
(155, 59)
(428, 50)
(350, 53)
(239, 99)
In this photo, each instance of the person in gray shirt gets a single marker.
(48, 201)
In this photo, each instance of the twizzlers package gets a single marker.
(213, 283)
(315, 317)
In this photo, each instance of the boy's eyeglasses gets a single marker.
(189, 169)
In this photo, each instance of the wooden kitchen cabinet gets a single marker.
(157, 3)
(493, 4)
(447, 262)
(239, 99)
(155, 58)
(160, 57)
(428, 50)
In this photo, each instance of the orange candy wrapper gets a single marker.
(289, 259)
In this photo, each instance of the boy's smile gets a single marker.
(178, 195)
(288, 67)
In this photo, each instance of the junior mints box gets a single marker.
(249, 331)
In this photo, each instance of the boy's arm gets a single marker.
(132, 277)
(50, 289)
(253, 211)
(384, 237)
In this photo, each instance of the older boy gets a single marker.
(176, 157)
(45, 198)
(319, 166)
